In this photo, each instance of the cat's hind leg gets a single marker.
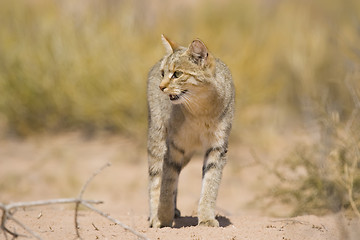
(214, 163)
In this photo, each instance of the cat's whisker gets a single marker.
(188, 103)
(194, 99)
(193, 105)
(191, 102)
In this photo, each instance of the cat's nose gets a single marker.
(162, 88)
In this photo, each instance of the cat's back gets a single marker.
(225, 86)
(158, 104)
(223, 74)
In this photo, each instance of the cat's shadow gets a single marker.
(189, 221)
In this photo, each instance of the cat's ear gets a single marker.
(169, 45)
(198, 52)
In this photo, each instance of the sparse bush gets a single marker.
(324, 175)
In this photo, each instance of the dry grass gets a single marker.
(66, 65)
(322, 176)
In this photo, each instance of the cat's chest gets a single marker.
(200, 125)
(195, 133)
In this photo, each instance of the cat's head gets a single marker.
(185, 71)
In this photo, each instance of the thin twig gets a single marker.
(96, 229)
(116, 221)
(81, 195)
(92, 177)
(356, 100)
(3, 219)
(291, 221)
(8, 210)
(16, 205)
(349, 173)
(24, 227)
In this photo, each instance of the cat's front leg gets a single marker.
(214, 163)
(157, 149)
(155, 173)
(171, 170)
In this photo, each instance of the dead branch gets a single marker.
(115, 221)
(82, 193)
(24, 227)
(16, 205)
(8, 211)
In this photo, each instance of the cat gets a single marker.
(191, 103)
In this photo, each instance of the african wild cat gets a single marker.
(191, 107)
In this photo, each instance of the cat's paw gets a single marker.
(209, 223)
(155, 222)
(166, 216)
(166, 223)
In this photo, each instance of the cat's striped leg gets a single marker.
(155, 172)
(215, 159)
(173, 164)
(156, 153)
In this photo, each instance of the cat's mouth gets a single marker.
(177, 97)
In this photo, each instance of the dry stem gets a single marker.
(82, 193)
(8, 211)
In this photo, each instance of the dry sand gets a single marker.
(57, 167)
(58, 223)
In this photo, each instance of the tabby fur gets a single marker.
(191, 103)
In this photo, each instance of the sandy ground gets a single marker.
(59, 224)
(57, 167)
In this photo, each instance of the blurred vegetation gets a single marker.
(324, 176)
(82, 65)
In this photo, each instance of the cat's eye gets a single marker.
(162, 73)
(177, 74)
